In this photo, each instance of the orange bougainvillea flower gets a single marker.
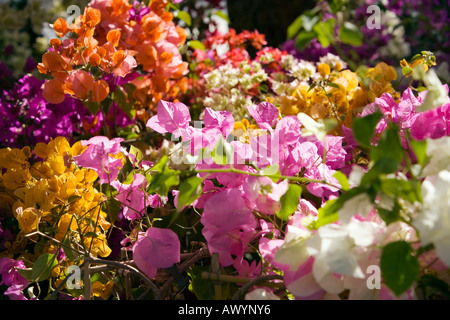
(80, 83)
(55, 43)
(100, 90)
(113, 37)
(160, 83)
(53, 62)
(95, 59)
(60, 26)
(53, 91)
(147, 56)
(92, 17)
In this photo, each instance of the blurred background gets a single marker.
(306, 29)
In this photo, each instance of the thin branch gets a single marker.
(240, 294)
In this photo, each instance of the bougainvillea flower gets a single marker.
(171, 117)
(125, 66)
(228, 224)
(97, 156)
(100, 90)
(53, 91)
(263, 194)
(133, 197)
(80, 83)
(11, 278)
(157, 248)
(222, 120)
(265, 115)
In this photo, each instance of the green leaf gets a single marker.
(350, 34)
(407, 190)
(342, 179)
(329, 213)
(185, 16)
(164, 179)
(200, 287)
(294, 27)
(222, 15)
(431, 286)
(303, 38)
(420, 150)
(332, 84)
(92, 106)
(190, 190)
(137, 153)
(363, 128)
(26, 273)
(325, 32)
(70, 254)
(289, 201)
(406, 70)
(195, 44)
(389, 152)
(390, 216)
(399, 267)
(43, 267)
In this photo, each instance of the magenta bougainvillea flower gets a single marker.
(265, 114)
(98, 156)
(11, 278)
(171, 117)
(229, 224)
(156, 248)
(133, 197)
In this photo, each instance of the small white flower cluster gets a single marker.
(332, 60)
(296, 72)
(397, 46)
(229, 87)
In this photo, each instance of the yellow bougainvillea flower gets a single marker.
(28, 218)
(243, 130)
(380, 78)
(56, 193)
(15, 178)
(102, 290)
(67, 223)
(15, 158)
(97, 246)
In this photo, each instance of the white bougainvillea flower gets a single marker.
(433, 223)
(437, 94)
(359, 204)
(261, 294)
(439, 152)
(294, 252)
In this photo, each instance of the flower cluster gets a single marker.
(53, 201)
(28, 118)
(117, 54)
